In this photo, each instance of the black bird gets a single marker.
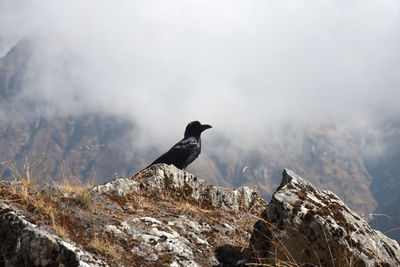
(188, 149)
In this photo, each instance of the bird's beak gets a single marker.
(205, 127)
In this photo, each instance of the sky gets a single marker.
(245, 67)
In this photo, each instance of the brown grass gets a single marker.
(60, 229)
(103, 247)
(25, 192)
(30, 190)
(78, 191)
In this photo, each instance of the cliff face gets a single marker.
(166, 217)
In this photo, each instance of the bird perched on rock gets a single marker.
(188, 149)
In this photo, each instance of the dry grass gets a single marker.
(78, 191)
(68, 207)
(103, 247)
(60, 229)
(26, 194)
(30, 189)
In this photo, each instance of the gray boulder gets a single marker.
(24, 244)
(302, 225)
(119, 187)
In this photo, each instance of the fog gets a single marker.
(244, 67)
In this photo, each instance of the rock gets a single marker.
(161, 217)
(186, 239)
(119, 186)
(167, 217)
(302, 225)
(169, 180)
(160, 240)
(24, 244)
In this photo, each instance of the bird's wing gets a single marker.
(181, 151)
(185, 144)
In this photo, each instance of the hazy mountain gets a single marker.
(96, 146)
(71, 144)
(385, 186)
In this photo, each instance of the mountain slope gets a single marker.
(97, 146)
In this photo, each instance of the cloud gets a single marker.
(244, 67)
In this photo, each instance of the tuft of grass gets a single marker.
(27, 193)
(31, 190)
(78, 191)
(103, 247)
(60, 229)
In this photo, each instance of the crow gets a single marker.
(188, 149)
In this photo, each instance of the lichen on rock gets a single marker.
(302, 225)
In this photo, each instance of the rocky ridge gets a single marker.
(176, 183)
(314, 227)
(167, 217)
(161, 217)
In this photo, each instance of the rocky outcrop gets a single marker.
(302, 225)
(194, 237)
(173, 182)
(167, 217)
(24, 244)
(161, 217)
